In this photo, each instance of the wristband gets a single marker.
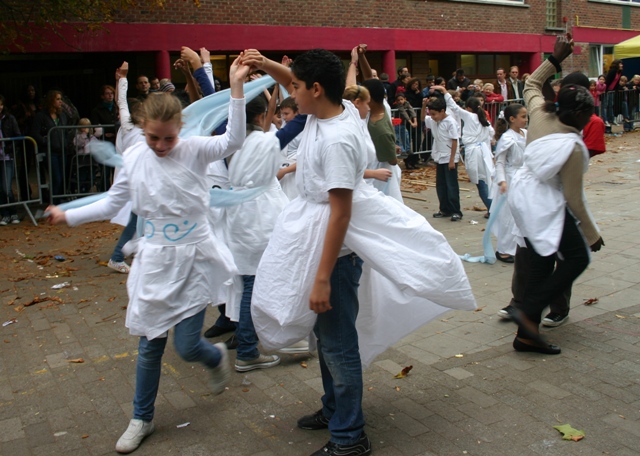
(353, 63)
(555, 63)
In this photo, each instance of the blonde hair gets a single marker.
(624, 79)
(84, 121)
(162, 107)
(487, 86)
(356, 92)
(478, 82)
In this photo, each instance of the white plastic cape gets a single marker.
(412, 275)
(535, 197)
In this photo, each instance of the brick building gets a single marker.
(437, 36)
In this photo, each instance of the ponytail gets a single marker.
(501, 127)
(503, 123)
(473, 103)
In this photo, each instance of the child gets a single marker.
(624, 100)
(476, 136)
(87, 173)
(601, 89)
(178, 266)
(287, 172)
(446, 155)
(511, 139)
(309, 275)
(408, 116)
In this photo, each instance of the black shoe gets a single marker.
(441, 215)
(456, 217)
(216, 331)
(505, 312)
(547, 349)
(554, 319)
(505, 259)
(361, 448)
(231, 342)
(526, 328)
(313, 422)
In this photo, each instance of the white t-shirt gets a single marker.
(444, 132)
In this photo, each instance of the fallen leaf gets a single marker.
(479, 309)
(397, 388)
(459, 355)
(38, 299)
(404, 372)
(76, 360)
(370, 388)
(588, 302)
(113, 298)
(620, 316)
(569, 433)
(84, 436)
(303, 364)
(245, 390)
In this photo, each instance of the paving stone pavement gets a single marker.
(469, 393)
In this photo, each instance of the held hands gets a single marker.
(56, 215)
(122, 71)
(189, 55)
(597, 245)
(239, 70)
(181, 65)
(205, 55)
(563, 47)
(382, 174)
(286, 61)
(319, 299)
(354, 54)
(253, 58)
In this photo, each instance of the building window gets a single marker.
(619, 2)
(497, 2)
(552, 14)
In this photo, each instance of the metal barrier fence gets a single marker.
(71, 171)
(18, 170)
(620, 108)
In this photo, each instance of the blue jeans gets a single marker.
(483, 191)
(190, 346)
(402, 138)
(125, 237)
(339, 353)
(609, 100)
(57, 175)
(448, 189)
(245, 332)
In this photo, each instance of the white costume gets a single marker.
(288, 156)
(535, 197)
(509, 157)
(476, 139)
(416, 275)
(179, 264)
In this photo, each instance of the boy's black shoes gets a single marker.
(361, 448)
(313, 422)
(441, 215)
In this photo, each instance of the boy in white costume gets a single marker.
(309, 275)
(179, 265)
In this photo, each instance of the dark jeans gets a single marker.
(339, 353)
(6, 190)
(544, 282)
(483, 191)
(125, 236)
(245, 331)
(223, 321)
(447, 189)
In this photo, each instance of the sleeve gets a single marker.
(208, 68)
(455, 109)
(123, 105)
(105, 209)
(36, 129)
(533, 98)
(451, 131)
(412, 112)
(571, 177)
(291, 130)
(502, 149)
(203, 80)
(385, 144)
(211, 148)
(339, 164)
(428, 122)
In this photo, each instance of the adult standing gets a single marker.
(547, 197)
(142, 87)
(393, 87)
(106, 113)
(25, 112)
(53, 144)
(503, 86)
(516, 84)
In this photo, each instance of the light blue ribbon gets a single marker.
(487, 246)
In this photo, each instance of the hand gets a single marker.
(122, 71)
(503, 187)
(398, 150)
(253, 58)
(56, 215)
(281, 173)
(382, 174)
(362, 49)
(597, 245)
(286, 61)
(182, 66)
(354, 55)
(254, 76)
(319, 299)
(238, 71)
(452, 165)
(205, 56)
(563, 47)
(189, 55)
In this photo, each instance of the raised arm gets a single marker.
(192, 85)
(205, 58)
(122, 86)
(271, 108)
(352, 72)
(277, 71)
(365, 68)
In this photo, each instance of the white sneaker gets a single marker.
(14, 219)
(134, 435)
(119, 266)
(5, 220)
(299, 347)
(221, 374)
(261, 362)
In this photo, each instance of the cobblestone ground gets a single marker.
(469, 393)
